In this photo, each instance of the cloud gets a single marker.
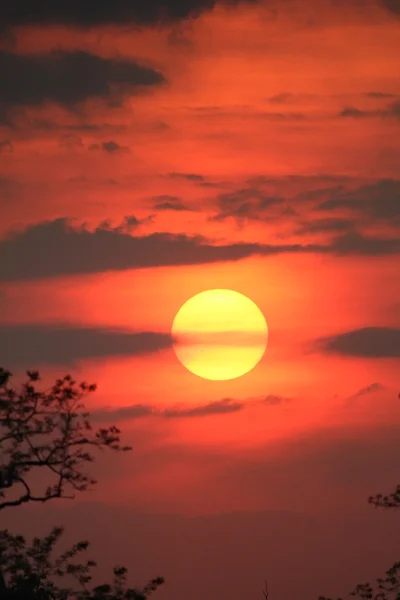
(380, 200)
(245, 112)
(56, 248)
(392, 110)
(354, 243)
(218, 407)
(110, 147)
(224, 406)
(6, 147)
(280, 116)
(367, 342)
(111, 12)
(290, 98)
(58, 344)
(369, 389)
(188, 176)
(392, 6)
(167, 202)
(135, 411)
(246, 203)
(281, 98)
(71, 142)
(62, 77)
(325, 226)
(379, 95)
(274, 400)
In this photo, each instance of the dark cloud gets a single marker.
(110, 147)
(68, 78)
(246, 112)
(134, 411)
(355, 113)
(55, 248)
(218, 407)
(6, 147)
(71, 142)
(190, 176)
(325, 226)
(354, 243)
(281, 98)
(33, 345)
(167, 202)
(91, 13)
(392, 6)
(128, 224)
(274, 400)
(224, 406)
(369, 389)
(29, 122)
(392, 110)
(280, 116)
(380, 200)
(246, 203)
(367, 342)
(289, 98)
(379, 95)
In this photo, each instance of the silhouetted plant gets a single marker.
(390, 501)
(48, 430)
(387, 587)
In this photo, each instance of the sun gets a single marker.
(219, 334)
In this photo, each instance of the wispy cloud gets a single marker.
(113, 12)
(56, 248)
(366, 342)
(224, 406)
(33, 345)
(61, 77)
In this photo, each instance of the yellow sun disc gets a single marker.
(219, 334)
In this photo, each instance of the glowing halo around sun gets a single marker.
(219, 334)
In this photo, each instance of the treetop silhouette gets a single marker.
(49, 431)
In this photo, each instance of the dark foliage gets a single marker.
(48, 431)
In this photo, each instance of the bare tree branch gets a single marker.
(47, 429)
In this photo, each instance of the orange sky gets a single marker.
(255, 148)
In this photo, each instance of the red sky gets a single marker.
(250, 146)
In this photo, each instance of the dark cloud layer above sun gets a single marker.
(33, 345)
(55, 248)
(367, 342)
(91, 13)
(379, 200)
(260, 200)
(68, 78)
(245, 203)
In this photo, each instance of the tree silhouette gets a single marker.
(48, 431)
(387, 587)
